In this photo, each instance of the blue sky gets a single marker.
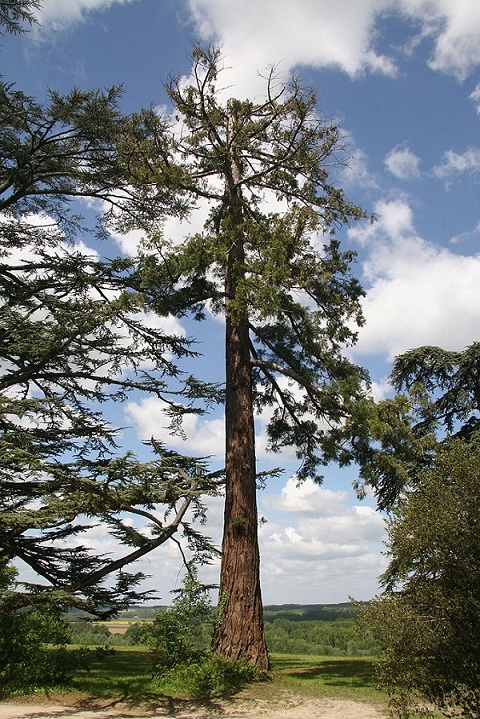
(402, 78)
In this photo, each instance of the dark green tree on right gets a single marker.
(425, 468)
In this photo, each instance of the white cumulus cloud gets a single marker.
(403, 163)
(307, 498)
(202, 437)
(317, 540)
(417, 293)
(455, 29)
(343, 34)
(316, 33)
(309, 32)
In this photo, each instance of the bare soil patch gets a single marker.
(286, 706)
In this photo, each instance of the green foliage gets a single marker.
(26, 662)
(427, 620)
(73, 339)
(326, 638)
(181, 634)
(180, 639)
(290, 278)
(420, 452)
(87, 633)
(307, 612)
(211, 675)
(135, 634)
(15, 13)
(396, 439)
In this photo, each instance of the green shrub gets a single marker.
(135, 634)
(427, 618)
(180, 639)
(211, 675)
(181, 634)
(27, 661)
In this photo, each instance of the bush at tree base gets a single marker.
(182, 633)
(210, 675)
(180, 640)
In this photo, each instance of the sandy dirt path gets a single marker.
(288, 706)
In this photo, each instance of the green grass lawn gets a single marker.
(332, 677)
(126, 673)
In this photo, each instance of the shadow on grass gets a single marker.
(354, 673)
(123, 680)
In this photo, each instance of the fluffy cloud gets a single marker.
(403, 163)
(355, 172)
(316, 540)
(313, 32)
(203, 437)
(455, 30)
(342, 34)
(321, 580)
(417, 293)
(307, 499)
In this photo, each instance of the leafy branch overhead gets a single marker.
(75, 337)
(437, 400)
(15, 14)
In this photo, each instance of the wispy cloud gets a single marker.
(475, 98)
(456, 164)
(59, 14)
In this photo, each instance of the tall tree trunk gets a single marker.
(240, 632)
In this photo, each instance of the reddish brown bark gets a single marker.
(241, 631)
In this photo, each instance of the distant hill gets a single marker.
(293, 612)
(305, 612)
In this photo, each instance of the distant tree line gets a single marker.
(327, 630)
(308, 612)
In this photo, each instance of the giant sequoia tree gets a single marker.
(74, 337)
(280, 279)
